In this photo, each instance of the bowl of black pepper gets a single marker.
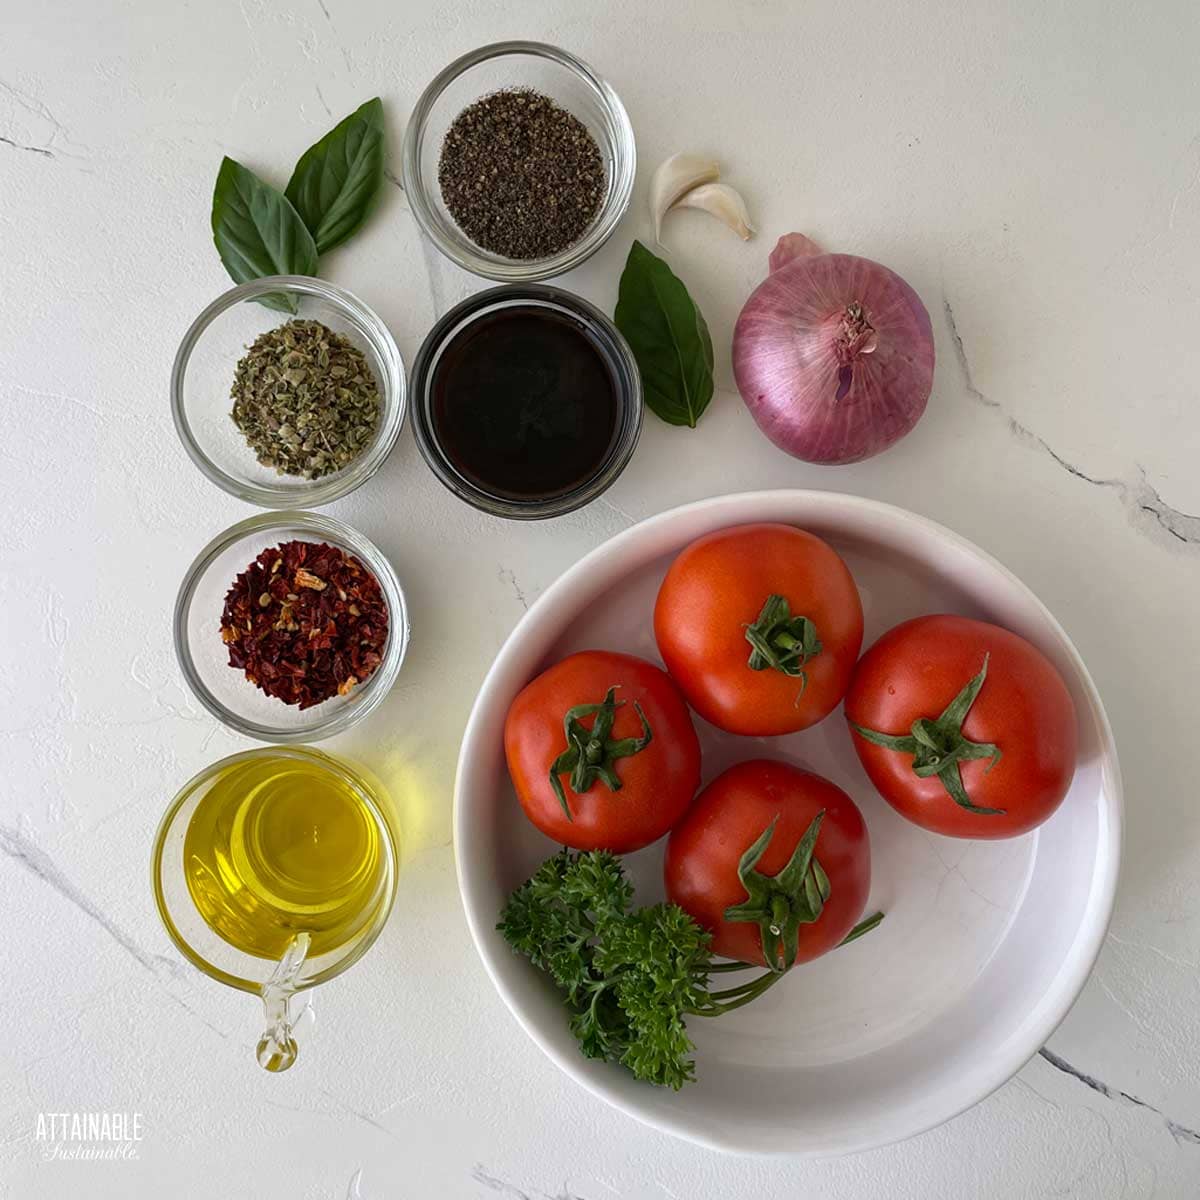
(518, 161)
(290, 627)
(288, 392)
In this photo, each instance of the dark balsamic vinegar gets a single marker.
(525, 404)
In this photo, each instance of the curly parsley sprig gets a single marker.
(629, 978)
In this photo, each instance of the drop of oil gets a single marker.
(275, 1054)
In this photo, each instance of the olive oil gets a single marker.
(281, 845)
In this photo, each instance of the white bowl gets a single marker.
(985, 946)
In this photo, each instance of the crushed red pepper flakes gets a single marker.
(297, 637)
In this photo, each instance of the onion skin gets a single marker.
(791, 245)
(825, 381)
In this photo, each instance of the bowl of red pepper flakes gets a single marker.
(305, 622)
(289, 627)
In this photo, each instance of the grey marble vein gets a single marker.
(37, 862)
(1180, 525)
(357, 1114)
(333, 28)
(26, 852)
(7, 141)
(494, 1183)
(507, 575)
(1148, 512)
(30, 104)
(498, 1185)
(628, 518)
(960, 354)
(1181, 1133)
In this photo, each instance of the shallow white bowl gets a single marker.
(986, 944)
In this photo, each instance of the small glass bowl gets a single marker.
(204, 660)
(204, 370)
(570, 83)
(602, 333)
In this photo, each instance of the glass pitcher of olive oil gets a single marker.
(274, 871)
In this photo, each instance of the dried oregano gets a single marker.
(305, 399)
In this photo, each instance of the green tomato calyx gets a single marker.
(592, 753)
(780, 904)
(938, 745)
(781, 641)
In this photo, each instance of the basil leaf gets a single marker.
(257, 231)
(668, 337)
(337, 178)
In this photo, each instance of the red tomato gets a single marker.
(1008, 767)
(633, 754)
(728, 818)
(760, 625)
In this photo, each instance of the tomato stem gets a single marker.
(742, 993)
(591, 753)
(938, 745)
(741, 989)
(750, 991)
(781, 641)
(780, 904)
(864, 926)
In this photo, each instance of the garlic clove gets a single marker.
(675, 178)
(723, 202)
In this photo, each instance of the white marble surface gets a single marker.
(1033, 170)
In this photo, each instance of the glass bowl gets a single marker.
(224, 690)
(570, 83)
(203, 375)
(604, 336)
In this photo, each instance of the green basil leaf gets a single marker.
(257, 231)
(338, 178)
(668, 336)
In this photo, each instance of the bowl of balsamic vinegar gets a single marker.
(528, 401)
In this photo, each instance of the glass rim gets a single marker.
(393, 388)
(620, 359)
(328, 762)
(374, 689)
(459, 248)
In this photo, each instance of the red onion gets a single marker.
(833, 354)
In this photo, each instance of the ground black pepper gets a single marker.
(520, 175)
